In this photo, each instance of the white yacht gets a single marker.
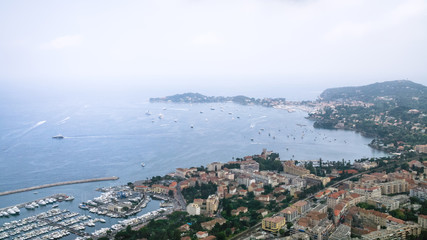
(10, 211)
(69, 198)
(142, 164)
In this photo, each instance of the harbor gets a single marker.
(117, 202)
(58, 184)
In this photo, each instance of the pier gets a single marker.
(58, 184)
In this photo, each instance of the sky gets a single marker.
(275, 48)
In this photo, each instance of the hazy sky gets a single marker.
(232, 47)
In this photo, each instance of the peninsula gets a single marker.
(199, 98)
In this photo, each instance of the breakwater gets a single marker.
(58, 184)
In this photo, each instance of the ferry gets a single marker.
(59, 136)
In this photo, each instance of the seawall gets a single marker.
(58, 184)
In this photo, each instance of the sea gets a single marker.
(112, 138)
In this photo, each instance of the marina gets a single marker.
(56, 221)
(52, 224)
(117, 202)
(15, 210)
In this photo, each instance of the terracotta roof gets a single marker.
(423, 216)
(300, 203)
(396, 220)
(276, 219)
(303, 222)
(289, 210)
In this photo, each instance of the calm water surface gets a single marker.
(113, 138)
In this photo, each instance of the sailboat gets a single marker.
(142, 164)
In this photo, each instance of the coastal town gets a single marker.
(370, 199)
(262, 196)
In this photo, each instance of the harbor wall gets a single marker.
(58, 184)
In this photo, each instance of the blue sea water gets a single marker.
(112, 138)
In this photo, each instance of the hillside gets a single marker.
(402, 93)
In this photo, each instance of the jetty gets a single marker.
(58, 184)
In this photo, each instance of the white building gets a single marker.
(193, 209)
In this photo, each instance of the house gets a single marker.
(184, 228)
(201, 234)
(263, 212)
(263, 198)
(243, 192)
(211, 224)
(258, 191)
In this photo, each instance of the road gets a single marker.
(179, 198)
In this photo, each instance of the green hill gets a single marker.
(402, 93)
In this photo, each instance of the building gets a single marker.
(249, 166)
(369, 192)
(421, 148)
(343, 232)
(201, 234)
(419, 192)
(211, 224)
(273, 224)
(385, 202)
(396, 231)
(301, 206)
(160, 189)
(193, 209)
(422, 221)
(181, 172)
(142, 188)
(290, 213)
(208, 206)
(215, 166)
(393, 187)
(373, 216)
(334, 198)
(212, 204)
(312, 179)
(364, 165)
(289, 167)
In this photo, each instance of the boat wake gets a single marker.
(32, 128)
(63, 121)
(18, 136)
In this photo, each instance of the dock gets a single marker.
(58, 184)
